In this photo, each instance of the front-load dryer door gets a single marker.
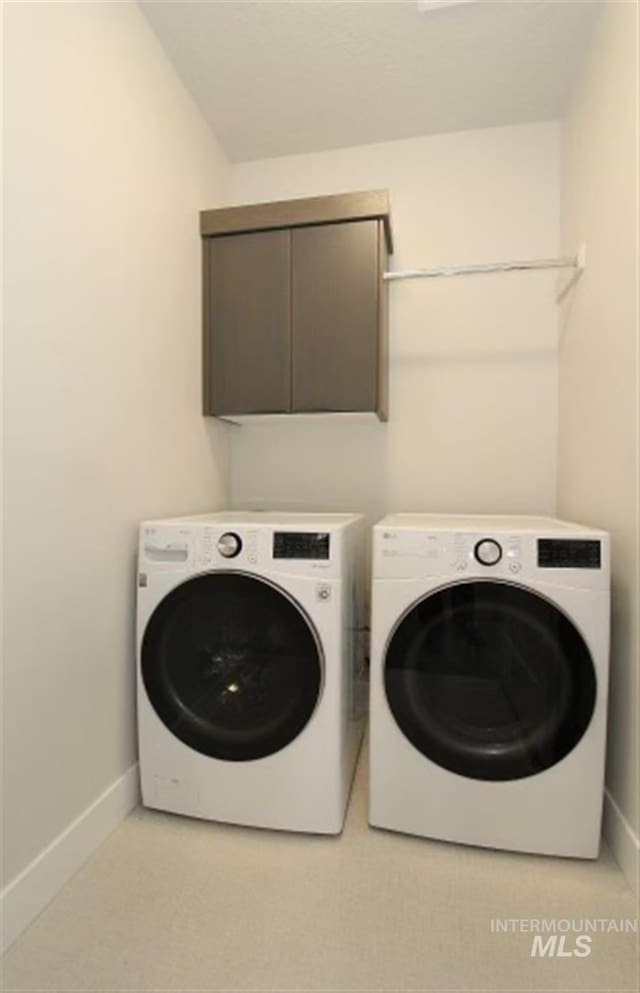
(489, 680)
(231, 666)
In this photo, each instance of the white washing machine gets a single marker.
(251, 692)
(489, 668)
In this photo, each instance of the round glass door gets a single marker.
(231, 666)
(489, 680)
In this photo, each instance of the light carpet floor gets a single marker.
(169, 903)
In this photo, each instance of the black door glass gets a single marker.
(231, 666)
(489, 680)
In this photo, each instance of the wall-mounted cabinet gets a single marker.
(295, 308)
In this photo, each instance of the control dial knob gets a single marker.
(488, 552)
(229, 545)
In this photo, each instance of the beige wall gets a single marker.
(107, 162)
(598, 439)
(473, 372)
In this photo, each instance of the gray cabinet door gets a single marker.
(247, 323)
(334, 313)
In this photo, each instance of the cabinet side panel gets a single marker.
(334, 306)
(206, 326)
(249, 321)
(383, 327)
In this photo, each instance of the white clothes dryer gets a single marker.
(249, 677)
(489, 671)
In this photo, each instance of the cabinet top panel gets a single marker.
(369, 205)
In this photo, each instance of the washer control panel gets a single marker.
(198, 546)
(300, 545)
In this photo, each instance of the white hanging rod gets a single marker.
(572, 262)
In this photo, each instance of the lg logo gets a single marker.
(554, 946)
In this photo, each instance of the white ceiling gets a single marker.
(276, 77)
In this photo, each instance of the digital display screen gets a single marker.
(568, 553)
(300, 545)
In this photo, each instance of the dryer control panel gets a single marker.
(569, 553)
(583, 561)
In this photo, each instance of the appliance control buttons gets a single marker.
(229, 545)
(251, 546)
(488, 552)
(432, 546)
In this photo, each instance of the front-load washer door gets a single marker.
(489, 680)
(232, 666)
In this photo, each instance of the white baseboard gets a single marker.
(622, 840)
(28, 894)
